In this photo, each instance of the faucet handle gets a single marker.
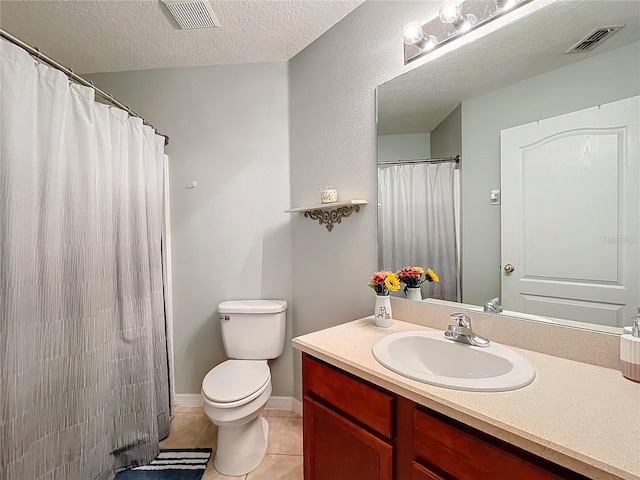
(461, 320)
(493, 306)
(635, 327)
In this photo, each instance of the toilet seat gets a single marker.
(236, 382)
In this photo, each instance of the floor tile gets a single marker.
(285, 435)
(282, 413)
(278, 467)
(210, 438)
(212, 474)
(186, 430)
(183, 409)
(191, 428)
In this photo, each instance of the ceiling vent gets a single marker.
(192, 14)
(594, 39)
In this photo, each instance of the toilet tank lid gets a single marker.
(252, 306)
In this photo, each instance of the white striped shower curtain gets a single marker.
(417, 223)
(83, 357)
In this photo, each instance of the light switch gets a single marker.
(495, 197)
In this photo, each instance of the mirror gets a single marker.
(461, 103)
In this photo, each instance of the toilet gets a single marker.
(235, 392)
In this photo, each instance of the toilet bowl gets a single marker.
(234, 394)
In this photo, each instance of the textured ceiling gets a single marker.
(113, 35)
(421, 98)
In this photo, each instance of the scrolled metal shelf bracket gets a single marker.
(331, 217)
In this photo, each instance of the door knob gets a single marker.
(509, 268)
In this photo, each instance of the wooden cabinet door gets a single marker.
(420, 472)
(336, 449)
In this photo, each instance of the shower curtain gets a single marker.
(83, 358)
(416, 223)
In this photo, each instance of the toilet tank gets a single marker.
(253, 329)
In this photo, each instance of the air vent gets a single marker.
(192, 14)
(594, 39)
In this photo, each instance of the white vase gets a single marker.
(382, 311)
(414, 293)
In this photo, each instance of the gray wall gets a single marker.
(446, 138)
(403, 147)
(601, 79)
(229, 130)
(333, 136)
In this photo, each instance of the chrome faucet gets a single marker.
(460, 331)
(493, 306)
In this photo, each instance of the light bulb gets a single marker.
(412, 33)
(428, 43)
(469, 21)
(505, 4)
(450, 12)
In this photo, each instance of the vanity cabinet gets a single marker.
(347, 426)
(338, 449)
(448, 449)
(354, 430)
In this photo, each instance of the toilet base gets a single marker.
(241, 448)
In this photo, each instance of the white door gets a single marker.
(570, 215)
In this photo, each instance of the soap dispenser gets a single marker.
(630, 349)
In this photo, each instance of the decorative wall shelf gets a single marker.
(329, 213)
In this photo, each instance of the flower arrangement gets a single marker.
(384, 282)
(413, 277)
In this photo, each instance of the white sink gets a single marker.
(428, 357)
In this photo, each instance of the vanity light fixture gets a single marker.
(506, 4)
(451, 13)
(456, 17)
(414, 35)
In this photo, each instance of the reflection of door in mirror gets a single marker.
(514, 76)
(570, 194)
(418, 204)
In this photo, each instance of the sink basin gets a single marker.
(430, 358)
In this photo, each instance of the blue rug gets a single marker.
(173, 464)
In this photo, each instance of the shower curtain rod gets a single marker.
(76, 78)
(455, 159)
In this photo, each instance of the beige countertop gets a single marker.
(584, 417)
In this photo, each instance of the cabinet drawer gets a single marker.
(467, 454)
(357, 399)
(422, 473)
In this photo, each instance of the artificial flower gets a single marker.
(392, 283)
(431, 276)
(383, 282)
(413, 277)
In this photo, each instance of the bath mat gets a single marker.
(171, 464)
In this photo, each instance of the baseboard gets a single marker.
(279, 403)
(188, 400)
(296, 406)
(274, 403)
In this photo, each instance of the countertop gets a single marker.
(584, 417)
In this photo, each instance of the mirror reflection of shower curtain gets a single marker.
(417, 223)
(83, 356)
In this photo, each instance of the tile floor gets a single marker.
(191, 428)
